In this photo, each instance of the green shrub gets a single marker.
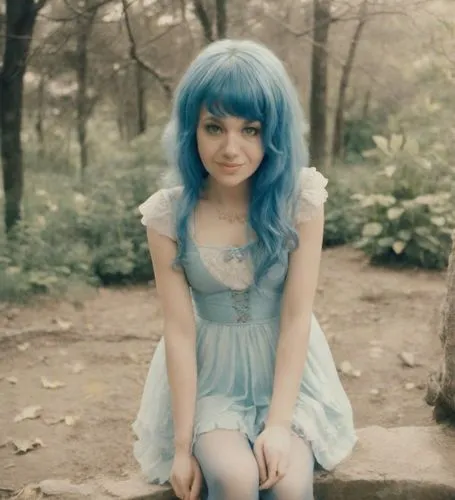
(88, 237)
(342, 217)
(410, 215)
(357, 138)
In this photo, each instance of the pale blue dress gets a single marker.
(237, 333)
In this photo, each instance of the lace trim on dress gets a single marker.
(313, 194)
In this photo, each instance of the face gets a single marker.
(230, 148)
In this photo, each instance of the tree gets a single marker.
(319, 63)
(84, 23)
(338, 132)
(214, 25)
(441, 384)
(20, 22)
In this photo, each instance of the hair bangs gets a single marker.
(233, 91)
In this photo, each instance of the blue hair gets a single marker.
(243, 79)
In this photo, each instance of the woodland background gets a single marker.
(86, 88)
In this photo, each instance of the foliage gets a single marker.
(357, 137)
(410, 212)
(91, 236)
(342, 217)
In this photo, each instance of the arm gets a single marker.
(296, 312)
(179, 336)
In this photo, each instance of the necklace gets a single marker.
(231, 217)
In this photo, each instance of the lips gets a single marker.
(230, 165)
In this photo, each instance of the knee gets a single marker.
(233, 481)
(289, 489)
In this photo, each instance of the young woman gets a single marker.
(242, 397)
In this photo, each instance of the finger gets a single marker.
(272, 474)
(176, 488)
(260, 459)
(197, 485)
(181, 490)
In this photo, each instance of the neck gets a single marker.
(234, 198)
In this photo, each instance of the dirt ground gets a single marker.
(100, 350)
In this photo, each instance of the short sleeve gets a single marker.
(313, 194)
(158, 211)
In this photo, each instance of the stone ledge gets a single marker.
(404, 463)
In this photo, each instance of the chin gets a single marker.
(231, 180)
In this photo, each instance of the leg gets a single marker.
(297, 484)
(228, 465)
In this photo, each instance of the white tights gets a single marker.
(231, 473)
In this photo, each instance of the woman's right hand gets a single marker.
(186, 476)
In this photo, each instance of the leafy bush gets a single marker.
(93, 237)
(357, 138)
(342, 216)
(410, 215)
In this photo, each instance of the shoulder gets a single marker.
(312, 193)
(158, 210)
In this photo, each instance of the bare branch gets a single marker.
(162, 80)
(204, 19)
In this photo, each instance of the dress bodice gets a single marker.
(221, 278)
(216, 299)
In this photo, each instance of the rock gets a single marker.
(383, 466)
(60, 487)
(409, 386)
(135, 488)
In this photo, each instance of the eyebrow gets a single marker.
(219, 120)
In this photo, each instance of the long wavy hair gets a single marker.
(244, 79)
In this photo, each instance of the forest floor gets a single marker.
(78, 367)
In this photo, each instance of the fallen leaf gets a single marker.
(53, 421)
(49, 384)
(24, 445)
(346, 368)
(31, 412)
(407, 359)
(23, 347)
(9, 465)
(62, 324)
(134, 358)
(77, 367)
(70, 420)
(12, 380)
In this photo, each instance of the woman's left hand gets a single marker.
(272, 449)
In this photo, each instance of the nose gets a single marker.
(230, 146)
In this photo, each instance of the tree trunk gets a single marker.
(205, 20)
(366, 105)
(39, 124)
(141, 100)
(318, 104)
(84, 27)
(20, 21)
(338, 132)
(221, 19)
(441, 385)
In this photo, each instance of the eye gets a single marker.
(212, 129)
(251, 131)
